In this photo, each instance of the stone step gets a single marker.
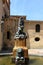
(38, 52)
(3, 54)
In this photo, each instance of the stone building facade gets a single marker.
(8, 28)
(1, 11)
(34, 30)
(4, 11)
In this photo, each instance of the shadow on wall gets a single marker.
(28, 41)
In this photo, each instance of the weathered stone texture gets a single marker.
(11, 25)
(30, 28)
(1, 35)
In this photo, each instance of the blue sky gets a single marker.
(33, 9)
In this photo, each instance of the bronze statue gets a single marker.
(20, 34)
(20, 51)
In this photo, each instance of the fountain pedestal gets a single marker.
(20, 43)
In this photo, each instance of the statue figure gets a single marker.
(20, 51)
(20, 34)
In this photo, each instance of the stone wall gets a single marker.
(10, 25)
(6, 7)
(30, 28)
(1, 13)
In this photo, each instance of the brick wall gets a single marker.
(11, 25)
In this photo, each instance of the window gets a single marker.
(8, 35)
(37, 39)
(37, 28)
